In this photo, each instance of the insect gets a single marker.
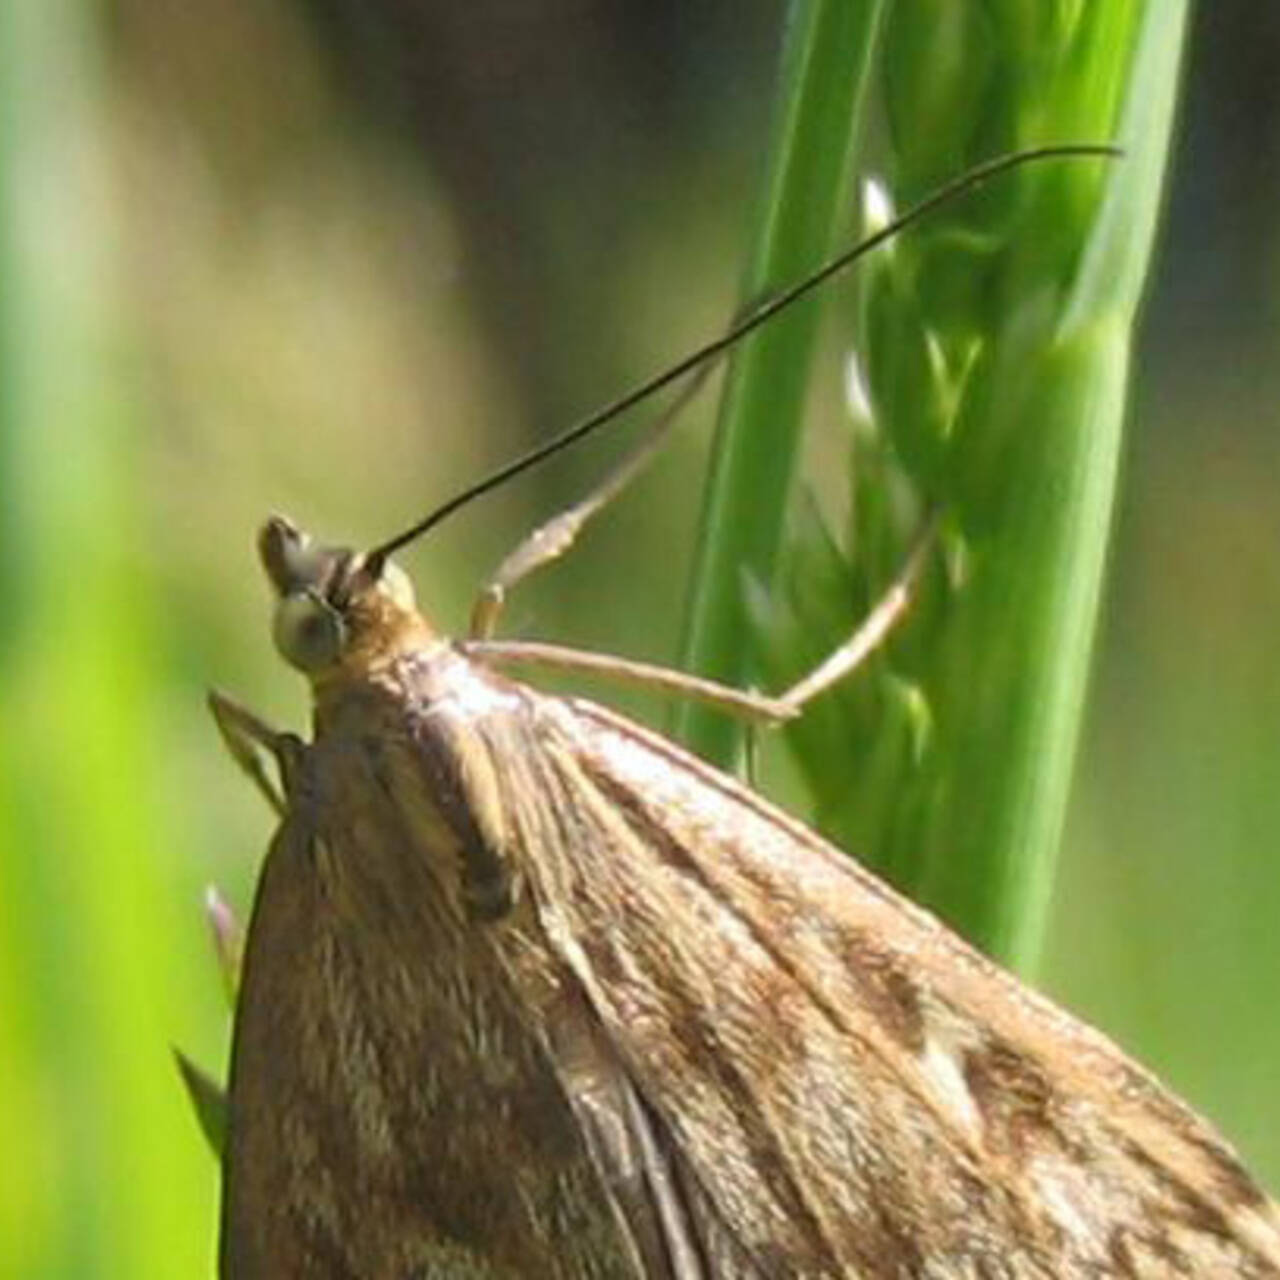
(530, 991)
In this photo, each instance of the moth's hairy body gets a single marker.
(529, 991)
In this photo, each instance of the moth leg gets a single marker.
(874, 629)
(642, 675)
(246, 737)
(554, 537)
(748, 705)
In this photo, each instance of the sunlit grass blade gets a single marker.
(992, 354)
(828, 51)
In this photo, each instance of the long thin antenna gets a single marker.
(736, 332)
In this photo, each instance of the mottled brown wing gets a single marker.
(254, 1239)
(465, 752)
(390, 1117)
(848, 1088)
(676, 1231)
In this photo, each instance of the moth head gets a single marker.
(331, 602)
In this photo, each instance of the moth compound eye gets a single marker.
(308, 632)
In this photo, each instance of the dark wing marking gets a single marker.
(854, 1089)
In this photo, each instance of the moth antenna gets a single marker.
(753, 319)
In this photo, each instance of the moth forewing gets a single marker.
(391, 1113)
(887, 1101)
(530, 991)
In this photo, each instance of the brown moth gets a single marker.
(530, 991)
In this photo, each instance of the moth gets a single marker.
(530, 991)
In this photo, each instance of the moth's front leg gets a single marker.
(246, 737)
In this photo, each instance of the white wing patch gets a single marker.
(946, 1043)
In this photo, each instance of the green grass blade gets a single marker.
(995, 354)
(827, 53)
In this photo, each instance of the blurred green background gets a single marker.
(337, 258)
